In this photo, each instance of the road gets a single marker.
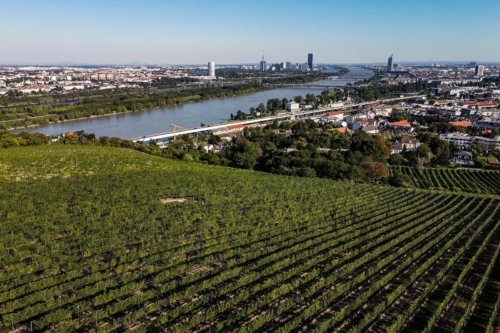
(280, 117)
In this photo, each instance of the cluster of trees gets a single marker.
(432, 152)
(303, 78)
(300, 150)
(286, 76)
(276, 104)
(8, 140)
(168, 82)
(376, 91)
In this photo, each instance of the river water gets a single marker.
(147, 122)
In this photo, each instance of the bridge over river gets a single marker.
(280, 117)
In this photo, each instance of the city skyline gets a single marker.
(191, 32)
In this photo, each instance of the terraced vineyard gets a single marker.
(466, 180)
(98, 239)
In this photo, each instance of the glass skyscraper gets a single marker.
(310, 61)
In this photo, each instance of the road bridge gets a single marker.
(280, 117)
(309, 85)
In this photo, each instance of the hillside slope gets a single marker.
(457, 180)
(108, 239)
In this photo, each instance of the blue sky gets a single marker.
(237, 31)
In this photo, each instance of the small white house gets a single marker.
(292, 106)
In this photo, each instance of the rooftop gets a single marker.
(402, 123)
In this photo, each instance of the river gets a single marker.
(158, 120)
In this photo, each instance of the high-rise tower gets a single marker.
(262, 64)
(310, 61)
(389, 64)
(479, 70)
(211, 69)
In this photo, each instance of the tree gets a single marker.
(375, 170)
(286, 125)
(369, 145)
(397, 178)
(311, 99)
(261, 108)
(396, 159)
(424, 151)
(240, 115)
(298, 99)
(398, 115)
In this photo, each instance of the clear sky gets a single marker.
(238, 31)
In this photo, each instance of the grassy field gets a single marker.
(97, 239)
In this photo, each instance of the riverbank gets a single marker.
(57, 113)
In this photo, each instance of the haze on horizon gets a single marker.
(190, 31)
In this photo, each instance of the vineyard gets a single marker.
(464, 180)
(98, 239)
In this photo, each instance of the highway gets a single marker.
(280, 117)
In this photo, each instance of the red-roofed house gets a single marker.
(462, 123)
(334, 116)
(402, 125)
(342, 130)
(486, 131)
(480, 105)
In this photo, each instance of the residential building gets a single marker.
(410, 143)
(403, 125)
(350, 119)
(292, 106)
(367, 125)
(370, 129)
(334, 116)
(462, 123)
(342, 130)
(464, 141)
(480, 105)
(463, 158)
(396, 148)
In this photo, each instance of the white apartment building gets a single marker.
(465, 141)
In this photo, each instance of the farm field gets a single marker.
(98, 239)
(464, 180)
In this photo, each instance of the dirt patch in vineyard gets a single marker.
(171, 200)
